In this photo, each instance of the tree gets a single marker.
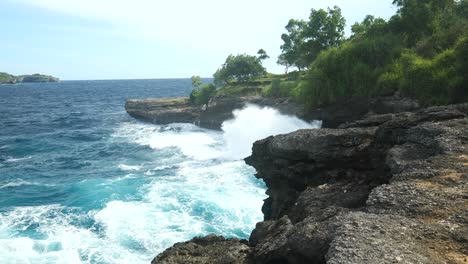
(262, 55)
(417, 19)
(196, 81)
(203, 94)
(241, 68)
(305, 40)
(293, 43)
(368, 25)
(325, 29)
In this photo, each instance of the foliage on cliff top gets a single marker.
(414, 52)
(420, 52)
(241, 68)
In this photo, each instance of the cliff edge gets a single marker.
(211, 115)
(220, 108)
(391, 188)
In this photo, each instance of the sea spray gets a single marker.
(123, 191)
(253, 123)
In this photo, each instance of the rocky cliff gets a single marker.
(219, 109)
(212, 115)
(387, 189)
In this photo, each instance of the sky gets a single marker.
(138, 39)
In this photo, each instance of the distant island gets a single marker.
(6, 78)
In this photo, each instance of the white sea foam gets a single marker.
(205, 188)
(20, 182)
(254, 123)
(193, 142)
(17, 159)
(129, 168)
(249, 124)
(63, 241)
(159, 168)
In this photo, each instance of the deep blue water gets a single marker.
(82, 182)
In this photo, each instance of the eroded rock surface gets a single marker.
(387, 189)
(211, 115)
(220, 108)
(209, 249)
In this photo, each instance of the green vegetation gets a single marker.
(201, 93)
(306, 39)
(241, 68)
(6, 78)
(237, 72)
(420, 52)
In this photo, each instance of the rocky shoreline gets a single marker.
(211, 115)
(219, 109)
(389, 188)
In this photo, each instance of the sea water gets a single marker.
(83, 182)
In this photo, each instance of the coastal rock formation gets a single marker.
(209, 249)
(355, 108)
(163, 110)
(219, 109)
(212, 115)
(6, 78)
(387, 189)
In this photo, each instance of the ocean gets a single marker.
(83, 182)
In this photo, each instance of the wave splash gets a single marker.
(254, 123)
(185, 181)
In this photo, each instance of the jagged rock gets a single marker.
(209, 249)
(220, 108)
(368, 238)
(163, 110)
(212, 115)
(387, 189)
(290, 163)
(347, 110)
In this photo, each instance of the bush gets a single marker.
(353, 69)
(279, 88)
(241, 68)
(202, 95)
(440, 80)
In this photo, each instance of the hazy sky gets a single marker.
(126, 39)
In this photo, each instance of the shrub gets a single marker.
(202, 95)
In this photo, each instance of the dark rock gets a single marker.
(212, 115)
(387, 189)
(220, 108)
(209, 249)
(290, 163)
(163, 111)
(347, 110)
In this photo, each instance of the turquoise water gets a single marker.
(82, 182)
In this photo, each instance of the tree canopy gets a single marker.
(304, 40)
(241, 68)
(418, 52)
